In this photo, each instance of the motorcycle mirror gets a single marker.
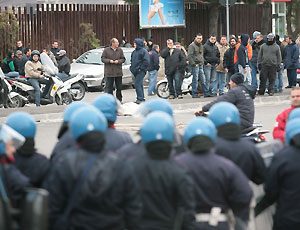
(73, 60)
(34, 213)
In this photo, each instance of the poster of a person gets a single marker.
(161, 13)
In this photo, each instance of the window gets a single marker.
(90, 58)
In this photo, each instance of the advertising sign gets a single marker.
(161, 13)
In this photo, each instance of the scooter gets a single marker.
(162, 86)
(14, 99)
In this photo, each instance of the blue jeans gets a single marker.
(152, 75)
(292, 76)
(219, 83)
(210, 76)
(139, 87)
(12, 74)
(37, 91)
(198, 73)
(62, 75)
(278, 85)
(253, 67)
(176, 76)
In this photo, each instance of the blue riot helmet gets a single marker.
(224, 113)
(292, 129)
(200, 126)
(87, 119)
(23, 123)
(157, 126)
(157, 104)
(8, 134)
(69, 111)
(295, 113)
(73, 107)
(108, 105)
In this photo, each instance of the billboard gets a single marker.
(161, 13)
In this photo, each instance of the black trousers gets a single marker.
(109, 86)
(267, 73)
(3, 92)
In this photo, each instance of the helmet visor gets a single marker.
(8, 134)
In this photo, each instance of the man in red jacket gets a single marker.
(279, 129)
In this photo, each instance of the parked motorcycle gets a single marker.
(162, 86)
(13, 99)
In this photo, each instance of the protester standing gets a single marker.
(278, 85)
(256, 44)
(269, 60)
(291, 61)
(196, 61)
(140, 61)
(54, 49)
(113, 58)
(174, 61)
(228, 61)
(211, 56)
(153, 69)
(219, 83)
(243, 58)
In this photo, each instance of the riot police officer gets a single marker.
(167, 190)
(108, 105)
(282, 182)
(131, 150)
(230, 145)
(66, 139)
(13, 181)
(91, 188)
(32, 164)
(219, 184)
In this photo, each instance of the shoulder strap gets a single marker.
(78, 186)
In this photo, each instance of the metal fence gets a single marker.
(44, 23)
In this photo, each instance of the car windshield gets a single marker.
(90, 58)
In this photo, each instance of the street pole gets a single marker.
(227, 19)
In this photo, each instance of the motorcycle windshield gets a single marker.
(48, 63)
(2, 76)
(8, 134)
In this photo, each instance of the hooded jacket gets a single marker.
(211, 53)
(243, 56)
(140, 58)
(63, 64)
(242, 97)
(195, 54)
(154, 60)
(255, 51)
(8, 63)
(291, 60)
(269, 55)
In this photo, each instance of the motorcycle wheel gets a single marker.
(163, 90)
(79, 86)
(66, 98)
(15, 102)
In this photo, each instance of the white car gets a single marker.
(90, 65)
(298, 76)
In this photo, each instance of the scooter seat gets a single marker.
(22, 80)
(67, 78)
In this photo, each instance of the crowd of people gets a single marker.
(25, 63)
(98, 178)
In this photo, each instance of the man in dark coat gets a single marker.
(256, 44)
(278, 85)
(167, 190)
(108, 197)
(140, 61)
(113, 58)
(64, 66)
(153, 69)
(19, 47)
(291, 61)
(54, 49)
(230, 145)
(211, 56)
(282, 183)
(241, 95)
(228, 61)
(219, 184)
(174, 61)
